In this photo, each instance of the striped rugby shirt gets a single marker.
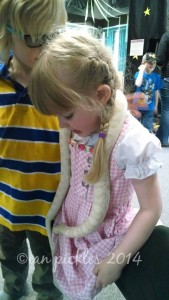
(29, 159)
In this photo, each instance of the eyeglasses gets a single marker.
(30, 42)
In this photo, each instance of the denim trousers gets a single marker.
(163, 130)
(147, 119)
(15, 263)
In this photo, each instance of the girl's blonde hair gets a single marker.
(34, 17)
(68, 70)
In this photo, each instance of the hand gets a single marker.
(142, 67)
(107, 272)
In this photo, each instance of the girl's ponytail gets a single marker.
(99, 157)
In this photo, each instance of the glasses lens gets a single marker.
(34, 42)
(40, 41)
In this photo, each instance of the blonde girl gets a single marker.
(106, 156)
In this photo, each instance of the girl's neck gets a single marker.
(19, 72)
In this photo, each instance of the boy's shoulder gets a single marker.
(152, 74)
(156, 75)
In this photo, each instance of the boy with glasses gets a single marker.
(29, 148)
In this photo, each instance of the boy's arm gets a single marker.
(157, 97)
(139, 79)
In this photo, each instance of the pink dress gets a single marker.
(75, 258)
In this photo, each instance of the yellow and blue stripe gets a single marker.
(29, 159)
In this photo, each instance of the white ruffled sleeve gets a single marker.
(136, 152)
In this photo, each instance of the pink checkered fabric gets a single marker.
(74, 259)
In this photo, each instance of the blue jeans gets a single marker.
(163, 130)
(147, 119)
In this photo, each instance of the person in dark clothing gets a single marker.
(163, 63)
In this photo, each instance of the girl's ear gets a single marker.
(103, 93)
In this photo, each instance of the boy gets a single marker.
(29, 149)
(148, 84)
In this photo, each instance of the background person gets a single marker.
(163, 63)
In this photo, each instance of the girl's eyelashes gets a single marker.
(68, 116)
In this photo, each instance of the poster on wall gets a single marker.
(136, 47)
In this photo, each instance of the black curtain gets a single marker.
(148, 26)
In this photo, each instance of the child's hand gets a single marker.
(142, 67)
(107, 272)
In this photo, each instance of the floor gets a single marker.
(111, 292)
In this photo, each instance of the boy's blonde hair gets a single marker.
(34, 17)
(69, 69)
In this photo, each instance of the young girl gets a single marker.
(106, 156)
